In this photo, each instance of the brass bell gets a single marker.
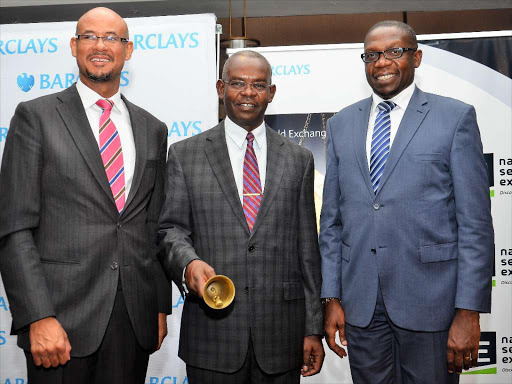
(218, 292)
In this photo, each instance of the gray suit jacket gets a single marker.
(63, 245)
(275, 269)
(427, 235)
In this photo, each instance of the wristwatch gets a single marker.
(326, 300)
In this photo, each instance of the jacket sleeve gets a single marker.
(310, 253)
(20, 209)
(473, 215)
(330, 224)
(164, 286)
(176, 248)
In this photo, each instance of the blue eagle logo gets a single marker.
(25, 82)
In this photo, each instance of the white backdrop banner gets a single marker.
(314, 82)
(172, 74)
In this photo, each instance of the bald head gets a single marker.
(247, 55)
(106, 16)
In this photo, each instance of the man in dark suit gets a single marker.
(240, 203)
(406, 232)
(82, 185)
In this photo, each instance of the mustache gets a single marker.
(95, 53)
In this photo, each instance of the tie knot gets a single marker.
(386, 106)
(105, 104)
(250, 137)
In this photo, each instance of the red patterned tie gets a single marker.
(112, 153)
(252, 183)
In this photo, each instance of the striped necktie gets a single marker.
(112, 153)
(380, 142)
(252, 192)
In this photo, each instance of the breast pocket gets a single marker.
(439, 252)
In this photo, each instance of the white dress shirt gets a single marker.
(236, 139)
(402, 101)
(121, 118)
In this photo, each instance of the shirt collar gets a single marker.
(239, 134)
(90, 97)
(401, 100)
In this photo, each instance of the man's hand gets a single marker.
(162, 329)
(463, 341)
(49, 343)
(335, 321)
(313, 355)
(196, 274)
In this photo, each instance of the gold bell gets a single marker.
(218, 292)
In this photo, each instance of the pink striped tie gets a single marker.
(252, 184)
(112, 153)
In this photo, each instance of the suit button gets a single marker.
(376, 206)
(114, 266)
(246, 289)
(251, 248)
(118, 225)
(373, 250)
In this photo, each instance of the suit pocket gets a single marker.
(427, 156)
(438, 252)
(153, 163)
(293, 290)
(60, 262)
(345, 251)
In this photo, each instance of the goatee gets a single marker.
(101, 78)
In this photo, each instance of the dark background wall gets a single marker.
(311, 28)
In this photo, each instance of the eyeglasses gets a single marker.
(240, 85)
(109, 39)
(391, 54)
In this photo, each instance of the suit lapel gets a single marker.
(275, 169)
(359, 136)
(72, 112)
(217, 154)
(140, 137)
(413, 117)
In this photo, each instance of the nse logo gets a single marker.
(57, 81)
(486, 355)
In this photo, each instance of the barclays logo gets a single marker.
(291, 70)
(25, 82)
(21, 46)
(184, 128)
(58, 81)
(3, 136)
(3, 302)
(14, 380)
(167, 380)
(166, 41)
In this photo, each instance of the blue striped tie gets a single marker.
(380, 142)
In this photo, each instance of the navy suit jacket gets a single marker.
(427, 235)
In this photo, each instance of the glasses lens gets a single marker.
(370, 57)
(393, 53)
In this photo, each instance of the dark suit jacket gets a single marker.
(63, 245)
(426, 237)
(275, 269)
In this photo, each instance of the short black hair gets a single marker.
(250, 54)
(409, 32)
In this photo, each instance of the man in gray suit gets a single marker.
(240, 203)
(406, 233)
(78, 218)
